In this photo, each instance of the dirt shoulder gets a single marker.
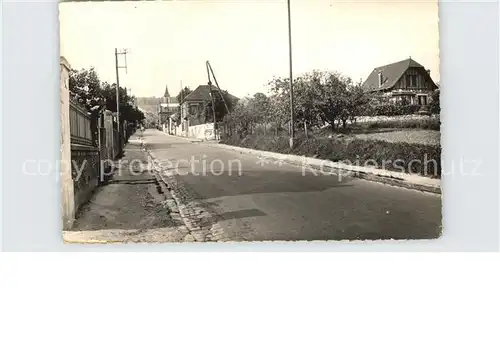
(131, 200)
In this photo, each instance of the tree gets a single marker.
(131, 113)
(356, 102)
(246, 114)
(280, 103)
(183, 93)
(332, 98)
(258, 108)
(85, 87)
(309, 93)
(319, 96)
(435, 104)
(218, 105)
(128, 110)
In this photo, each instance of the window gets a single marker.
(411, 80)
(193, 109)
(422, 100)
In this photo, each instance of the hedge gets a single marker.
(424, 123)
(390, 109)
(403, 157)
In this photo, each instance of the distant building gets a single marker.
(404, 80)
(168, 105)
(193, 103)
(166, 94)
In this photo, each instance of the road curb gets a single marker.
(198, 224)
(193, 140)
(399, 179)
(170, 202)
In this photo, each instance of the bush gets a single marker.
(402, 157)
(435, 105)
(431, 123)
(390, 109)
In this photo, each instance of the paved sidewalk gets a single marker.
(131, 207)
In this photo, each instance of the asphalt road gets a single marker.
(259, 201)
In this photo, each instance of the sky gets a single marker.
(246, 41)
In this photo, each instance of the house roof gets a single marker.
(202, 93)
(391, 73)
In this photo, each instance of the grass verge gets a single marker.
(420, 159)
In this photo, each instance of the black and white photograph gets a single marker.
(250, 121)
(250, 175)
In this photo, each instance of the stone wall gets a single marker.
(178, 129)
(202, 131)
(67, 190)
(80, 163)
(85, 172)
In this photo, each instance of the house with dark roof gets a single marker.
(403, 80)
(192, 104)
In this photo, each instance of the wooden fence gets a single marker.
(80, 125)
(85, 158)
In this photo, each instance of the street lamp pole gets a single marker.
(292, 129)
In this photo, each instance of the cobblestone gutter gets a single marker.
(201, 224)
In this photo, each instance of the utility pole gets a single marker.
(213, 100)
(121, 52)
(210, 70)
(292, 131)
(181, 102)
(209, 66)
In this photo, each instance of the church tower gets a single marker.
(166, 95)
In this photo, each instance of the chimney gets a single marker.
(429, 72)
(380, 79)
